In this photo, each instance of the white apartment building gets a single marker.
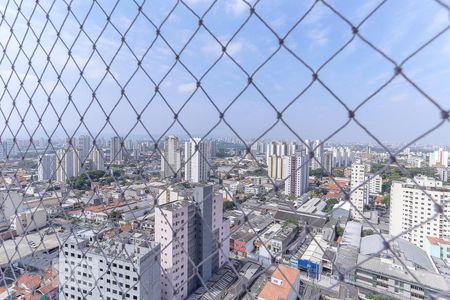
(94, 267)
(296, 173)
(171, 157)
(359, 193)
(374, 184)
(317, 147)
(84, 146)
(342, 156)
(97, 159)
(29, 220)
(196, 161)
(190, 232)
(275, 167)
(68, 164)
(47, 167)
(116, 149)
(410, 206)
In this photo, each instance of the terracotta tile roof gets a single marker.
(47, 288)
(288, 276)
(103, 207)
(29, 281)
(436, 241)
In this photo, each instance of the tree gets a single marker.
(367, 232)
(386, 200)
(377, 297)
(330, 204)
(228, 205)
(291, 221)
(318, 173)
(116, 215)
(337, 172)
(292, 197)
(339, 230)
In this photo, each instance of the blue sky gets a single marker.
(398, 113)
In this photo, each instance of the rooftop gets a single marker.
(428, 279)
(437, 241)
(281, 283)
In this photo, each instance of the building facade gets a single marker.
(359, 190)
(116, 149)
(411, 205)
(94, 267)
(68, 164)
(97, 159)
(196, 161)
(171, 157)
(296, 174)
(47, 167)
(190, 233)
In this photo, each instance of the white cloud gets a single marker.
(402, 97)
(319, 35)
(212, 47)
(440, 20)
(236, 7)
(187, 87)
(234, 48)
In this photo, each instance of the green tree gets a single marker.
(116, 215)
(337, 172)
(386, 200)
(378, 297)
(318, 173)
(292, 197)
(330, 204)
(367, 232)
(291, 221)
(228, 205)
(339, 230)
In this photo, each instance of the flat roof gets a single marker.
(432, 281)
(9, 253)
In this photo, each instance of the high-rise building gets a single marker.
(84, 146)
(359, 190)
(92, 266)
(68, 164)
(97, 158)
(116, 149)
(328, 161)
(374, 184)
(317, 147)
(47, 167)
(9, 148)
(270, 150)
(439, 158)
(342, 156)
(171, 157)
(296, 174)
(281, 149)
(190, 233)
(196, 161)
(412, 210)
(275, 167)
(292, 148)
(212, 148)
